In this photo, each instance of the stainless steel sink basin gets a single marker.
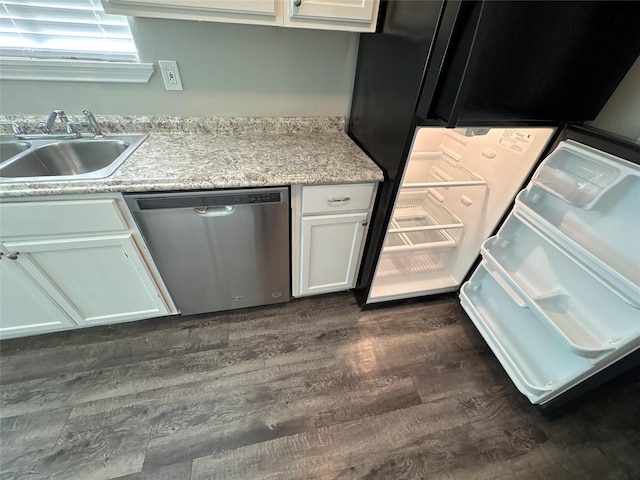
(74, 159)
(10, 149)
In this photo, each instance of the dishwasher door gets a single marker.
(218, 250)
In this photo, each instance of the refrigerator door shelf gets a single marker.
(604, 238)
(571, 300)
(535, 359)
(577, 174)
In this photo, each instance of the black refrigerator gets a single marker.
(460, 104)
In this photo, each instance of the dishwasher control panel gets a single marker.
(219, 199)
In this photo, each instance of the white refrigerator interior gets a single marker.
(557, 295)
(456, 187)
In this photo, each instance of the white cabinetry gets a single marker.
(351, 15)
(24, 306)
(259, 12)
(329, 225)
(79, 261)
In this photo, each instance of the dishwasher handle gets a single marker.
(215, 211)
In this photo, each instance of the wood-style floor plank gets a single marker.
(311, 389)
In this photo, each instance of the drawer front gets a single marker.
(60, 217)
(337, 198)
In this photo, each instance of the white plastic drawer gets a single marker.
(337, 198)
(60, 217)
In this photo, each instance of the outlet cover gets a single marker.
(170, 74)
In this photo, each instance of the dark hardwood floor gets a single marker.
(306, 390)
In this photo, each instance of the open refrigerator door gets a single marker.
(557, 295)
(457, 185)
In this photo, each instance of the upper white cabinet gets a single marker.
(350, 15)
(329, 226)
(74, 261)
(260, 12)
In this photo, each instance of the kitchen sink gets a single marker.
(70, 159)
(10, 149)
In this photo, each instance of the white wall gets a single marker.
(621, 114)
(226, 69)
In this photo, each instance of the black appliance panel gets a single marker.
(532, 61)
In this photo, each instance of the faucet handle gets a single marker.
(72, 128)
(93, 123)
(15, 126)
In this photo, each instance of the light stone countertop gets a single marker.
(210, 153)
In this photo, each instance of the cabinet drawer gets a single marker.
(60, 217)
(337, 198)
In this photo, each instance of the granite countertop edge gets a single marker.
(196, 153)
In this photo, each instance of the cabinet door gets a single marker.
(353, 15)
(24, 307)
(97, 280)
(330, 248)
(267, 12)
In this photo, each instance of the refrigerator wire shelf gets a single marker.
(412, 216)
(440, 169)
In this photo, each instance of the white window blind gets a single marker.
(64, 29)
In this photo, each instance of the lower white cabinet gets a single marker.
(329, 250)
(25, 307)
(56, 281)
(96, 280)
(329, 225)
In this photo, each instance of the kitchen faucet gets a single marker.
(46, 127)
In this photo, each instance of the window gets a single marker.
(67, 40)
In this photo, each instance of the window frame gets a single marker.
(17, 66)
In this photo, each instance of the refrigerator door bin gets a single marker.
(535, 359)
(572, 300)
(605, 237)
(577, 174)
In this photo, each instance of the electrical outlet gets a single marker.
(170, 74)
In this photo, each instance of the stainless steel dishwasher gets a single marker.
(218, 250)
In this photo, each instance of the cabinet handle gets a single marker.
(364, 223)
(13, 255)
(297, 3)
(342, 199)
